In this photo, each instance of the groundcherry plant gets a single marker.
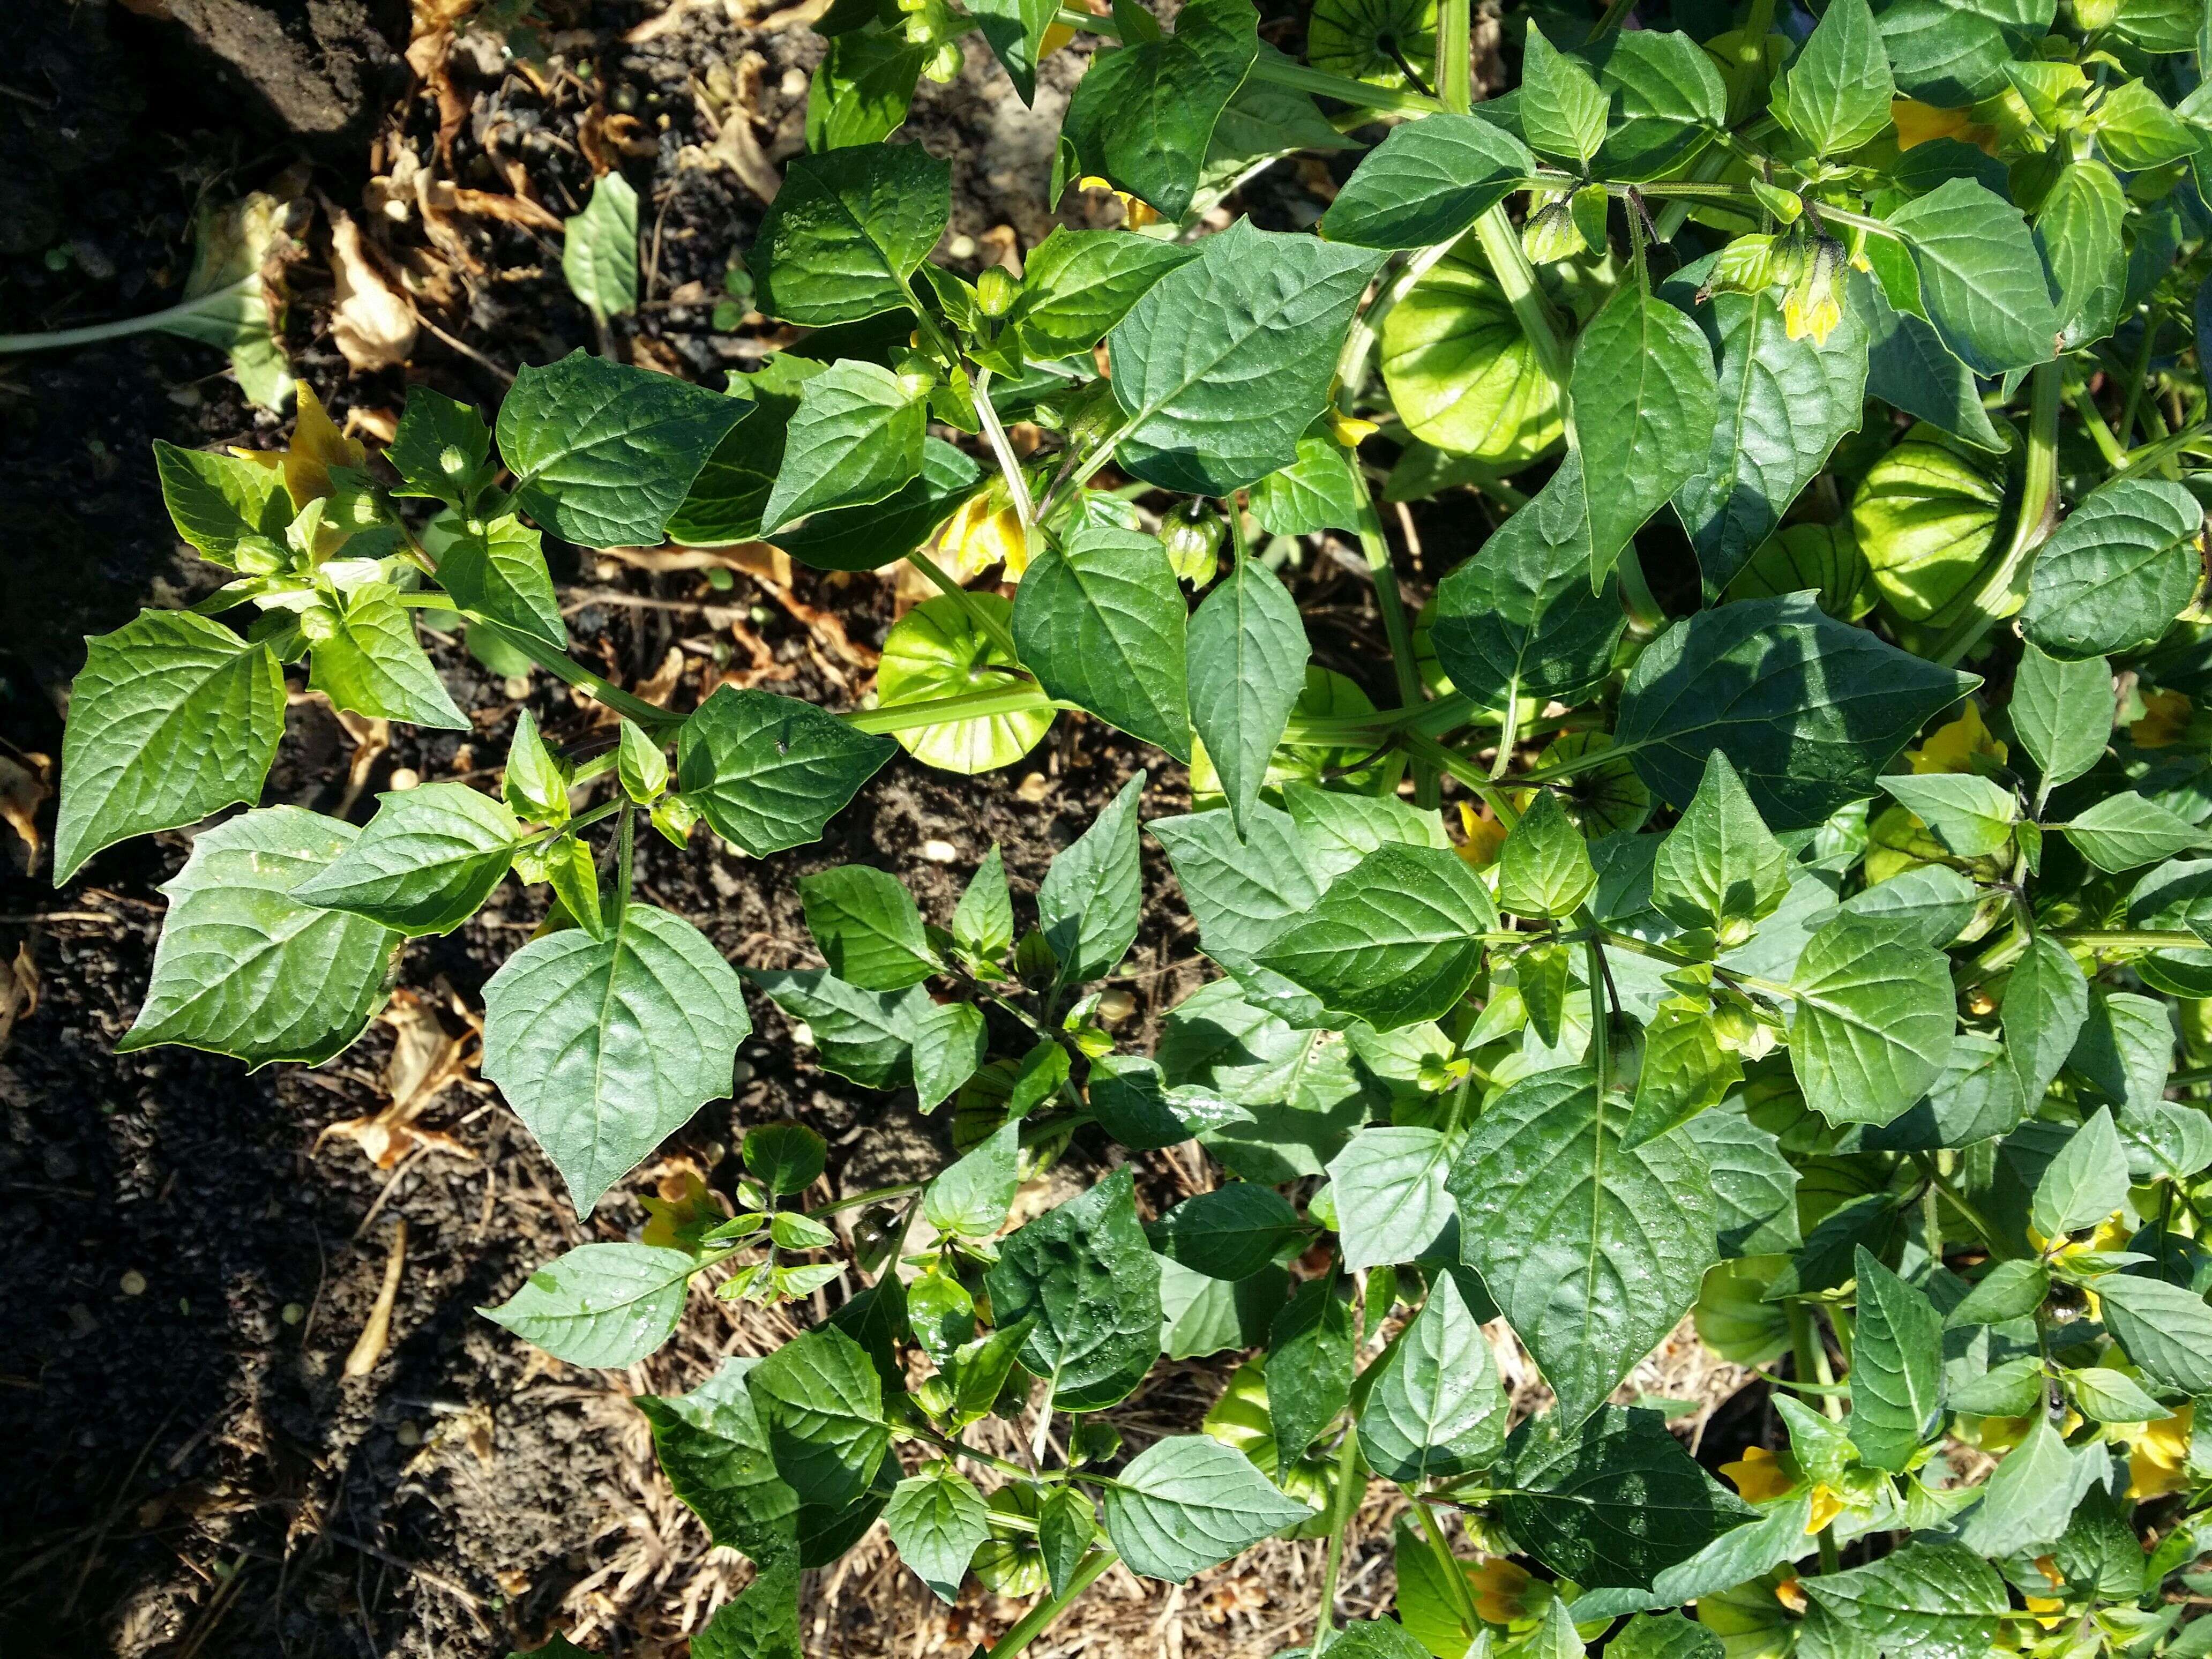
(1811, 955)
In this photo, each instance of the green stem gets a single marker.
(625, 853)
(1351, 1487)
(1937, 1182)
(2039, 493)
(999, 633)
(861, 1201)
(2131, 940)
(1812, 1358)
(1034, 1621)
(567, 669)
(1009, 464)
(1601, 1024)
(2137, 376)
(1455, 55)
(1517, 278)
(221, 301)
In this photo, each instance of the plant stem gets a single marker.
(567, 669)
(1034, 1622)
(1812, 1358)
(999, 633)
(221, 300)
(1455, 55)
(2039, 493)
(1938, 1181)
(1447, 1564)
(861, 1201)
(1396, 627)
(1009, 464)
(625, 852)
(2131, 940)
(1517, 278)
(1351, 1487)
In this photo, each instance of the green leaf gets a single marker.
(2084, 1183)
(2011, 1290)
(1544, 869)
(1931, 1600)
(1086, 1274)
(854, 440)
(971, 1197)
(1142, 116)
(861, 1034)
(1317, 492)
(1100, 624)
(983, 921)
(867, 927)
(2046, 1000)
(724, 503)
(1754, 1185)
(2078, 233)
(1563, 113)
(1667, 1635)
(1187, 1502)
(602, 453)
(601, 1304)
(1091, 901)
(367, 660)
(2114, 575)
(605, 1046)
(1981, 280)
(1944, 54)
(441, 450)
(1783, 404)
(1612, 1501)
(1437, 1407)
(1232, 1232)
(1594, 1251)
(598, 255)
(1375, 1639)
(243, 968)
(1876, 1017)
(2138, 131)
(1200, 1315)
(1426, 183)
(1969, 815)
(1226, 361)
(172, 718)
(937, 1521)
(1719, 867)
(1310, 1360)
(498, 570)
(1395, 939)
(1391, 1204)
(424, 864)
(820, 1401)
(848, 231)
(2104, 1395)
(1078, 284)
(883, 532)
(1521, 619)
(1066, 1525)
(1897, 1368)
(1015, 30)
(1646, 399)
(1685, 1070)
(1339, 829)
(2062, 712)
(949, 1046)
(2127, 831)
(1810, 711)
(714, 1451)
(1247, 654)
(785, 1157)
(769, 772)
(862, 89)
(218, 500)
(2166, 1328)
(1426, 1603)
(1909, 367)
(1836, 94)
(761, 1621)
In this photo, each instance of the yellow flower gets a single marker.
(1350, 430)
(1055, 36)
(2158, 1463)
(1135, 215)
(1947, 749)
(1504, 1592)
(2046, 1605)
(1791, 1594)
(2165, 721)
(1826, 1506)
(1918, 123)
(317, 446)
(985, 530)
(1811, 304)
(1485, 835)
(1758, 1475)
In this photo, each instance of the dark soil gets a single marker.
(184, 1468)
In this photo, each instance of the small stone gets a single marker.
(294, 1313)
(743, 1071)
(1033, 788)
(1115, 1006)
(607, 569)
(405, 777)
(794, 84)
(961, 246)
(516, 686)
(940, 851)
(134, 1283)
(407, 1434)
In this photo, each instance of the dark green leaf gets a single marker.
(854, 440)
(1426, 183)
(1143, 116)
(936, 1522)
(2114, 575)
(819, 1399)
(1100, 624)
(1395, 939)
(1836, 94)
(769, 772)
(601, 1304)
(1247, 651)
(1931, 1600)
(1438, 1408)
(1645, 399)
(424, 864)
(2062, 712)
(1897, 1368)
(1391, 1203)
(1231, 1233)
(1310, 1357)
(1090, 901)
(1086, 1273)
(1875, 1018)
(847, 230)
